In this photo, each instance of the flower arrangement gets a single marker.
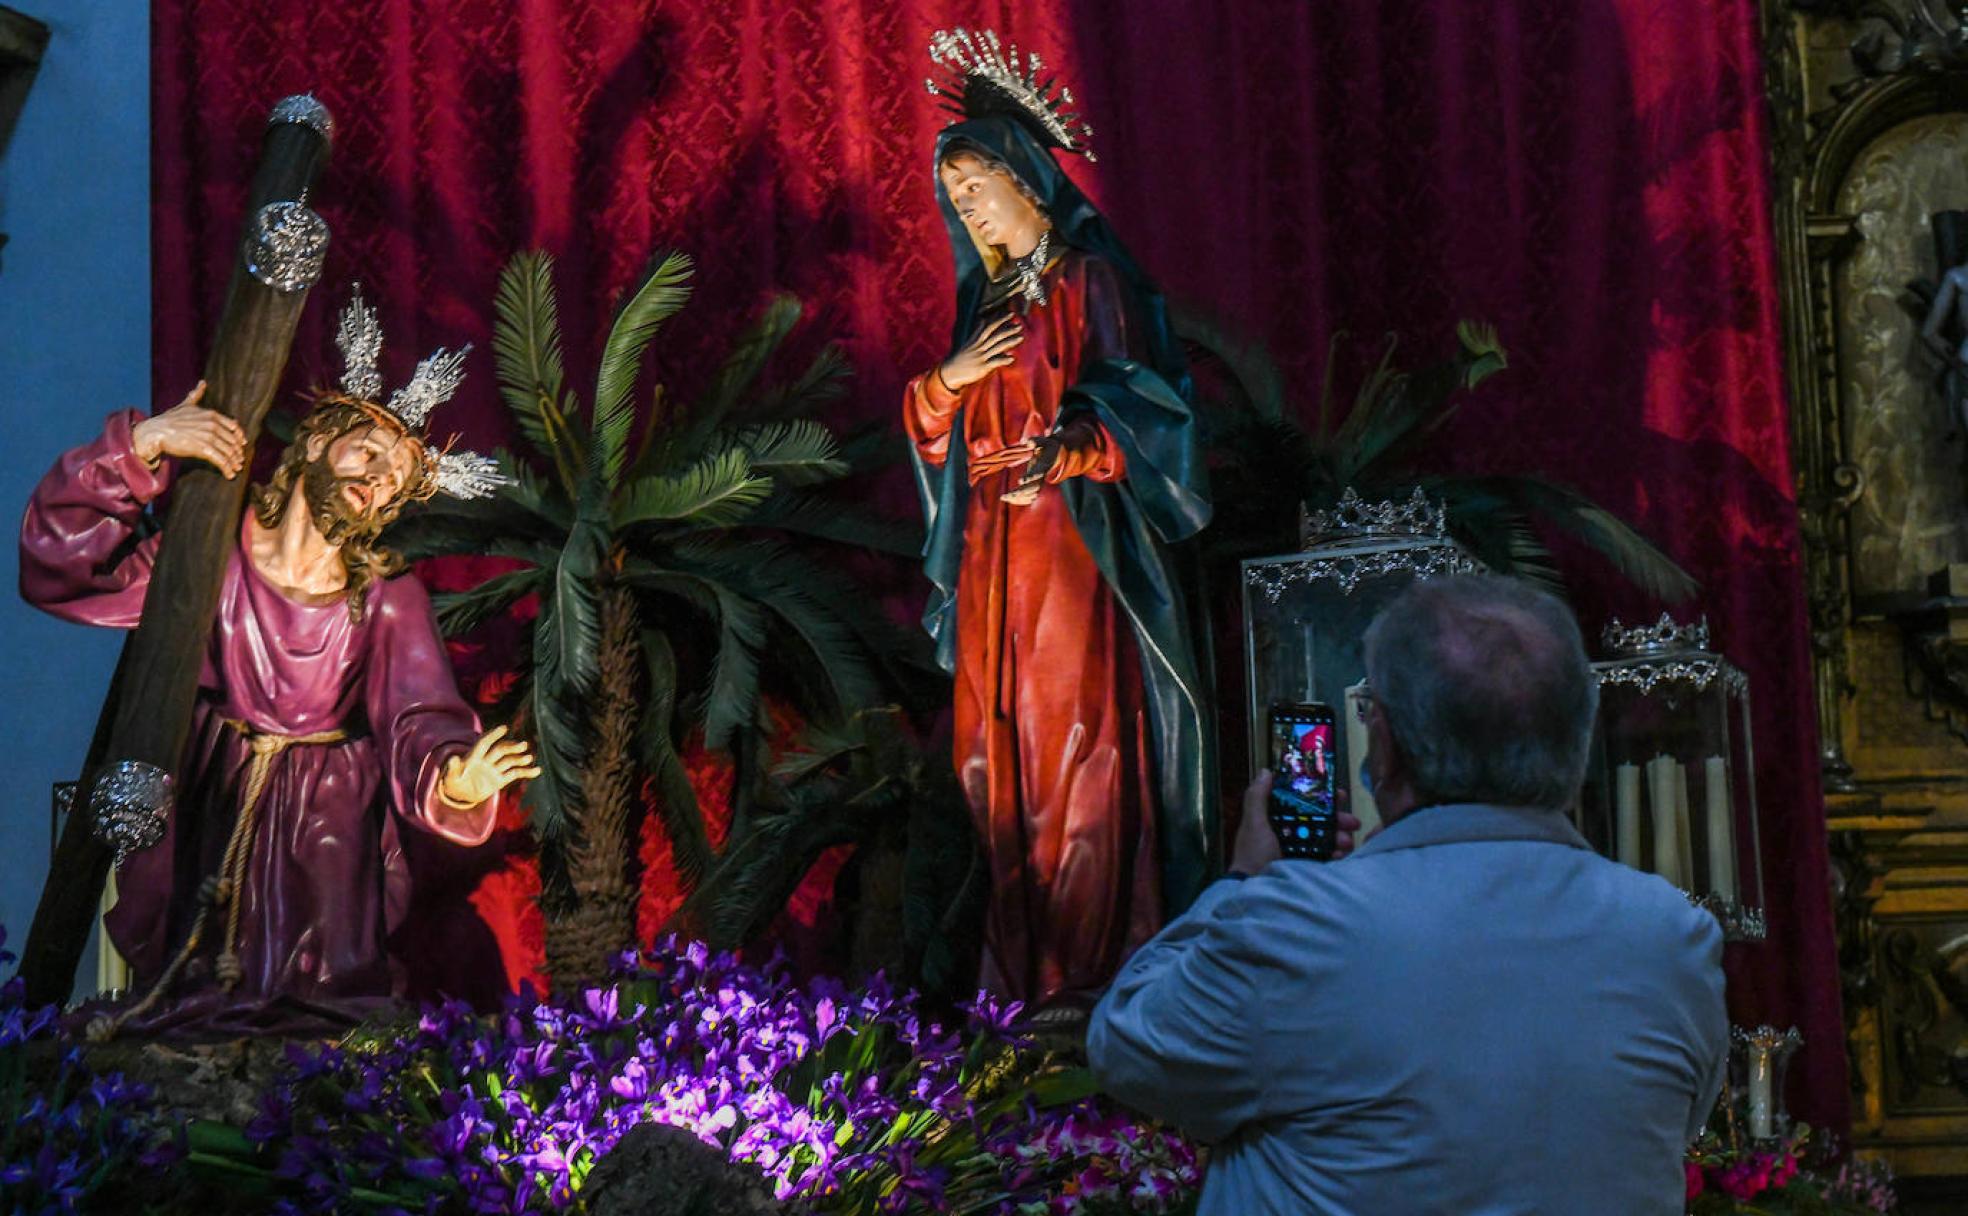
(843, 1101)
(65, 1139)
(1726, 1178)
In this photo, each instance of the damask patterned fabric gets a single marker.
(1588, 175)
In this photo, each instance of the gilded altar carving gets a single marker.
(1914, 519)
(1869, 137)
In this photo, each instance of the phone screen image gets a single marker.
(1303, 780)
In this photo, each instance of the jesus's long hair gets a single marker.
(365, 559)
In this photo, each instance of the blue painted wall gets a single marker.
(74, 344)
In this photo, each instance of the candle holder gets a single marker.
(1306, 613)
(1758, 1062)
(1671, 788)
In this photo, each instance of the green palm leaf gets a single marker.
(823, 382)
(663, 290)
(463, 611)
(576, 653)
(799, 452)
(450, 527)
(732, 699)
(842, 523)
(747, 361)
(561, 743)
(526, 350)
(822, 613)
(1255, 372)
(533, 492)
(716, 491)
(676, 806)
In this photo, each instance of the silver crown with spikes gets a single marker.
(360, 336)
(982, 77)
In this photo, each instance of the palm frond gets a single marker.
(676, 806)
(1502, 507)
(822, 383)
(840, 522)
(526, 350)
(447, 527)
(463, 611)
(799, 452)
(663, 290)
(824, 613)
(1255, 371)
(560, 742)
(741, 369)
(718, 490)
(576, 597)
(525, 487)
(1632, 554)
(734, 693)
(733, 696)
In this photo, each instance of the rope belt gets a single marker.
(224, 887)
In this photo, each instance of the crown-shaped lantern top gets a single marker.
(1665, 636)
(1354, 518)
(981, 78)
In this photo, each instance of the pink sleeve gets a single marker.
(419, 719)
(77, 559)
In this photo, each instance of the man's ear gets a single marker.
(317, 444)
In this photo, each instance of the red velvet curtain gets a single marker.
(1588, 175)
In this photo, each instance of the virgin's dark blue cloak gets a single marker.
(1127, 525)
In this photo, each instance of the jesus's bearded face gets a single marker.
(354, 484)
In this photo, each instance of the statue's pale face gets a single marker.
(372, 464)
(991, 205)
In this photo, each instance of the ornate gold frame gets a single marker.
(1899, 815)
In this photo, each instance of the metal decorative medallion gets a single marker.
(1358, 541)
(1646, 656)
(304, 109)
(129, 806)
(287, 247)
(1740, 922)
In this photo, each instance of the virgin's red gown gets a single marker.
(1052, 738)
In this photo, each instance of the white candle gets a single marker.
(1660, 807)
(1684, 842)
(1721, 828)
(1762, 1110)
(1626, 814)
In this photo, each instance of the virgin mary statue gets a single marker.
(1058, 459)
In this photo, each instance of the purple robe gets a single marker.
(326, 880)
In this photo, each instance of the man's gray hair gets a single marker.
(1486, 690)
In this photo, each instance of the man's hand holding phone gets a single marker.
(1257, 844)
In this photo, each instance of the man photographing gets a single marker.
(1472, 1013)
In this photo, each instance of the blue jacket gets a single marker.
(1474, 1013)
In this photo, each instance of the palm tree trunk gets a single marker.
(601, 860)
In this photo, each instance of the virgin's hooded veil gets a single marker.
(1127, 525)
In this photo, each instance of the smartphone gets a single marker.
(1304, 756)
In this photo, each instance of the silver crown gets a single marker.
(436, 380)
(1355, 518)
(980, 74)
(468, 475)
(360, 335)
(1664, 636)
(437, 377)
